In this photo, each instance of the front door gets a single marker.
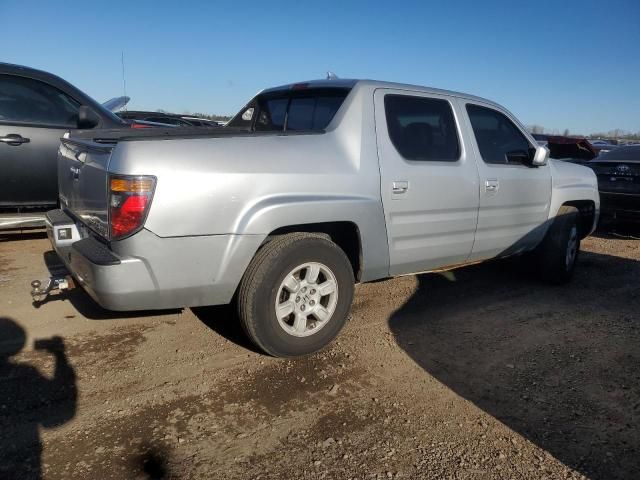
(33, 117)
(514, 196)
(429, 182)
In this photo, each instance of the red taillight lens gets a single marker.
(129, 201)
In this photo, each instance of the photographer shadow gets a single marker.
(30, 401)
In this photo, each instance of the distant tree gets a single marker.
(566, 132)
(536, 129)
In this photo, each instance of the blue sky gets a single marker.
(561, 64)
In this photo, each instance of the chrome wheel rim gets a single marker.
(306, 299)
(572, 247)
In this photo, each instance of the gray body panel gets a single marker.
(28, 175)
(218, 198)
(82, 177)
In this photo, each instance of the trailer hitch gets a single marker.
(40, 289)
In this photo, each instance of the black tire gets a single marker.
(552, 258)
(260, 286)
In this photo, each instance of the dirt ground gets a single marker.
(480, 373)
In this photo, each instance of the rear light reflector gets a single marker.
(129, 201)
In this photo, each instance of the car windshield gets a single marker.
(622, 153)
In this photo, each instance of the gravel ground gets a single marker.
(479, 373)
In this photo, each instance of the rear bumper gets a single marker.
(146, 272)
(622, 206)
(21, 220)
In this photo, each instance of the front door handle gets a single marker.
(492, 185)
(400, 187)
(14, 140)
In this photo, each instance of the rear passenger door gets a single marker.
(514, 196)
(429, 182)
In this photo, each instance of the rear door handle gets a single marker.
(14, 140)
(492, 185)
(399, 187)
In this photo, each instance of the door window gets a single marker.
(421, 128)
(499, 140)
(24, 100)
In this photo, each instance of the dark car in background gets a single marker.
(167, 119)
(569, 149)
(602, 146)
(36, 109)
(618, 173)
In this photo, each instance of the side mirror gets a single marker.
(541, 156)
(87, 118)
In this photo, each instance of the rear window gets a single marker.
(622, 153)
(291, 110)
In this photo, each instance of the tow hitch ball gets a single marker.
(40, 289)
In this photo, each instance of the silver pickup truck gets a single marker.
(311, 188)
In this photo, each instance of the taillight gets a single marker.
(129, 202)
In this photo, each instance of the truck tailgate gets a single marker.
(83, 177)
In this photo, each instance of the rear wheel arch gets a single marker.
(345, 234)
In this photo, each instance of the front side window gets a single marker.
(421, 128)
(498, 139)
(24, 100)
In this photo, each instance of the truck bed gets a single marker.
(113, 136)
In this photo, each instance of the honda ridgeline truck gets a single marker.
(311, 188)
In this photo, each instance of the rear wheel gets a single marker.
(556, 256)
(296, 294)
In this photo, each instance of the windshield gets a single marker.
(291, 110)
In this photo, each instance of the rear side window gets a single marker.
(24, 100)
(495, 134)
(421, 128)
(291, 110)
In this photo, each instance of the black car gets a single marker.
(618, 174)
(167, 119)
(36, 109)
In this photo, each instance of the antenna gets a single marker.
(124, 82)
(331, 76)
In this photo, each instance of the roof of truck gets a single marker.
(351, 83)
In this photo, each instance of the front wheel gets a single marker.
(296, 294)
(556, 256)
